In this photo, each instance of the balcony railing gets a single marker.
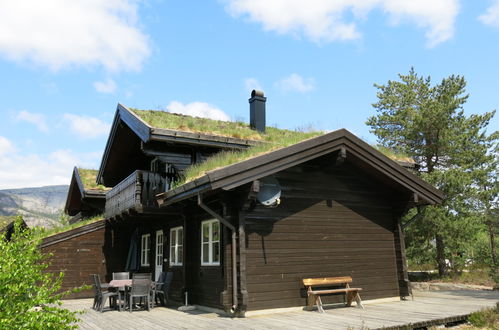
(137, 192)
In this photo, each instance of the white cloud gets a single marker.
(296, 83)
(107, 87)
(491, 17)
(325, 20)
(34, 170)
(6, 146)
(251, 84)
(60, 33)
(198, 109)
(36, 119)
(86, 127)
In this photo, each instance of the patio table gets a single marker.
(125, 285)
(120, 283)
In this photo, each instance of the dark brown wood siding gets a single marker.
(332, 221)
(78, 257)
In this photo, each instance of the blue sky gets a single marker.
(66, 64)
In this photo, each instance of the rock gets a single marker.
(39, 206)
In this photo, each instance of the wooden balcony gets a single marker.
(137, 193)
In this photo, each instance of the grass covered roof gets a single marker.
(174, 121)
(88, 178)
(271, 140)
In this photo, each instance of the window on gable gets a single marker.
(176, 246)
(145, 247)
(210, 243)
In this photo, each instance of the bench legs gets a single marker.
(354, 295)
(316, 299)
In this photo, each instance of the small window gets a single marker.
(176, 246)
(210, 243)
(145, 247)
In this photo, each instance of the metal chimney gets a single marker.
(257, 110)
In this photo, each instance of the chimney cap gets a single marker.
(256, 92)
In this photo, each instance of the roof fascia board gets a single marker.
(109, 143)
(94, 194)
(137, 125)
(74, 181)
(76, 174)
(168, 135)
(394, 166)
(75, 232)
(181, 195)
(277, 163)
(252, 167)
(401, 179)
(230, 176)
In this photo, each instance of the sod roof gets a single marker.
(271, 140)
(89, 181)
(179, 122)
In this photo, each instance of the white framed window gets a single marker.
(145, 247)
(210, 243)
(176, 246)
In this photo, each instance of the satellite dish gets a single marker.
(270, 192)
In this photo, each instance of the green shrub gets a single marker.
(29, 297)
(486, 318)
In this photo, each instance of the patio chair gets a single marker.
(163, 287)
(101, 296)
(146, 276)
(121, 276)
(96, 293)
(141, 288)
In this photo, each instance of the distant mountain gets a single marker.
(41, 206)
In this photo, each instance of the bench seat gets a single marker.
(314, 295)
(334, 291)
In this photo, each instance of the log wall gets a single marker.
(78, 253)
(332, 221)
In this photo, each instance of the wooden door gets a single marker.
(158, 260)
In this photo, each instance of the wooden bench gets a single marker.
(314, 295)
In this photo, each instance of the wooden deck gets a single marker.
(428, 308)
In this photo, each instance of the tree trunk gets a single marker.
(442, 269)
(492, 238)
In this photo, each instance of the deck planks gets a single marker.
(424, 309)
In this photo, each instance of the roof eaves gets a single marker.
(73, 232)
(161, 134)
(94, 193)
(74, 181)
(436, 196)
(77, 177)
(185, 191)
(137, 125)
(267, 164)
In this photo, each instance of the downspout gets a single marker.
(234, 255)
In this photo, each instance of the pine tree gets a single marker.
(427, 122)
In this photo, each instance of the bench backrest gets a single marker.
(327, 281)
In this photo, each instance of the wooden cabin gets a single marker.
(85, 197)
(241, 235)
